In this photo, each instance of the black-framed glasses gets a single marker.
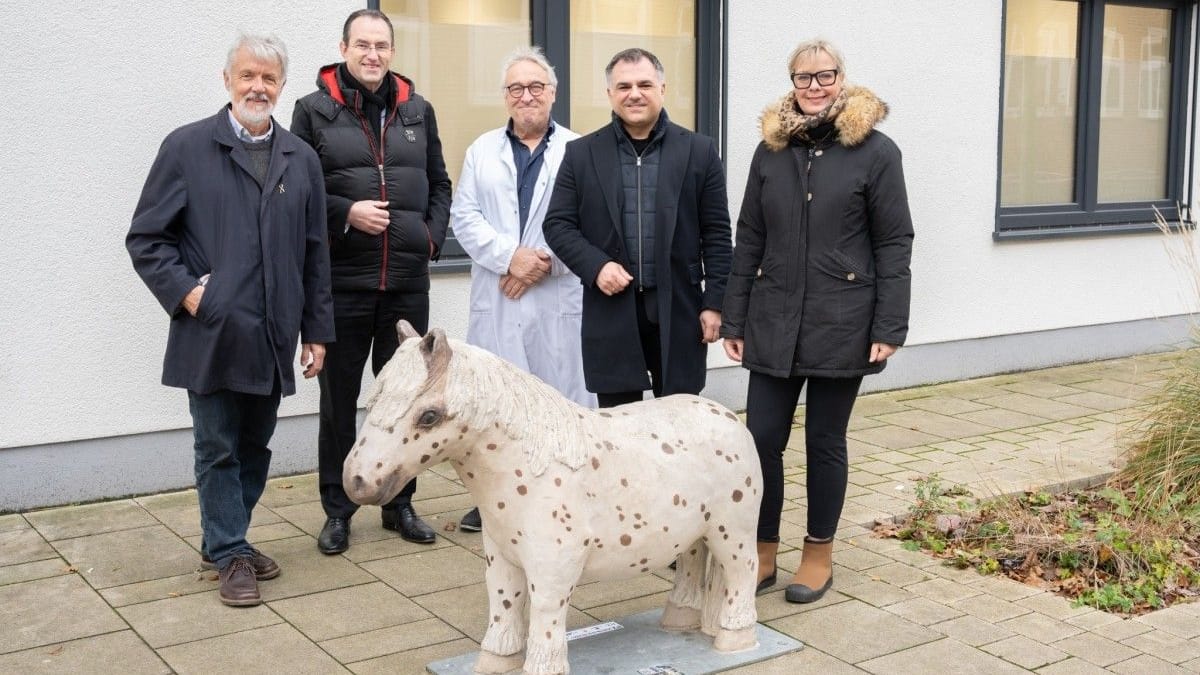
(518, 90)
(823, 78)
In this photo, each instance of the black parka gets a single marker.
(409, 173)
(823, 243)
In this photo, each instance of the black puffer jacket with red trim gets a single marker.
(404, 167)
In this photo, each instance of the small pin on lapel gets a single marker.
(280, 187)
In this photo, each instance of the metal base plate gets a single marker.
(636, 645)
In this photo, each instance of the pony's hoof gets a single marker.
(677, 619)
(735, 640)
(495, 664)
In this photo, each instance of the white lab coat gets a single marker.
(539, 332)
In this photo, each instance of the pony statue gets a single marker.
(570, 495)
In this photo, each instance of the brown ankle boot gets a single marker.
(815, 574)
(766, 565)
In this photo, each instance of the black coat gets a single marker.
(202, 212)
(692, 255)
(821, 266)
(413, 180)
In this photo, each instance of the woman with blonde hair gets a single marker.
(819, 291)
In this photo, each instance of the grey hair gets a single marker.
(810, 48)
(533, 55)
(635, 55)
(263, 47)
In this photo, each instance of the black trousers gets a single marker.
(770, 405)
(361, 318)
(651, 346)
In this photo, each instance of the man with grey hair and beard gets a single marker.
(229, 235)
(525, 303)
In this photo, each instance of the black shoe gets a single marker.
(766, 584)
(410, 526)
(335, 536)
(801, 594)
(471, 522)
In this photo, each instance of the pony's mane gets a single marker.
(482, 389)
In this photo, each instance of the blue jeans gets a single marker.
(231, 432)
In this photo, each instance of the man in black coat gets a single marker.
(639, 214)
(230, 237)
(389, 206)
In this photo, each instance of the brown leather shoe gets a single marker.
(239, 588)
(264, 567)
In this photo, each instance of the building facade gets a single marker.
(1038, 137)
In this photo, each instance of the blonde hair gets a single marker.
(810, 48)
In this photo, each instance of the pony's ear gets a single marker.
(404, 330)
(436, 349)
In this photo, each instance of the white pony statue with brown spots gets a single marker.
(570, 495)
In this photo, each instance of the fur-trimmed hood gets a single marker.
(862, 113)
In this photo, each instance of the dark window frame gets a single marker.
(550, 28)
(1086, 216)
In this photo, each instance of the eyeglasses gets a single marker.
(823, 78)
(365, 48)
(518, 90)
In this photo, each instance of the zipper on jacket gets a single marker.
(641, 273)
(378, 150)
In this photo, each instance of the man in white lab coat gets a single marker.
(526, 306)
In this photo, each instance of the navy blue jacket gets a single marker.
(693, 249)
(203, 212)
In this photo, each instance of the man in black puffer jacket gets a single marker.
(388, 204)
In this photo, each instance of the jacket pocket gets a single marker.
(840, 266)
(209, 309)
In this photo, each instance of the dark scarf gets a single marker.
(373, 102)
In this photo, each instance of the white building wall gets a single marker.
(937, 64)
(92, 89)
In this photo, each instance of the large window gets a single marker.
(1093, 117)
(453, 50)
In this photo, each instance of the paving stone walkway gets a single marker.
(111, 587)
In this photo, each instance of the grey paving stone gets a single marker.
(1025, 652)
(340, 612)
(854, 631)
(944, 405)
(413, 662)
(1176, 620)
(24, 545)
(1034, 405)
(364, 645)
(1040, 388)
(989, 608)
(427, 572)
(47, 611)
(394, 546)
(972, 630)
(1002, 418)
(121, 652)
(897, 574)
(13, 521)
(877, 593)
(1073, 666)
(1143, 664)
(41, 569)
(1095, 649)
(280, 646)
(936, 424)
(606, 592)
(1122, 629)
(1054, 606)
(943, 590)
(291, 490)
(188, 618)
(1040, 627)
(124, 557)
(1098, 401)
(893, 437)
(89, 519)
(304, 570)
(773, 606)
(1165, 646)
(160, 589)
(922, 611)
(938, 656)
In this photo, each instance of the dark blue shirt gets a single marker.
(529, 166)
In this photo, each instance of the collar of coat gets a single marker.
(862, 113)
(329, 80)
